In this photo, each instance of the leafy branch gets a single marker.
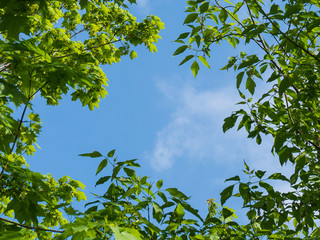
(29, 227)
(285, 35)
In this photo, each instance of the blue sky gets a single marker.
(158, 113)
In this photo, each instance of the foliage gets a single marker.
(284, 53)
(40, 55)
(51, 48)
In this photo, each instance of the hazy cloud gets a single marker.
(143, 5)
(195, 126)
(194, 133)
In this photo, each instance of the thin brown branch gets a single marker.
(224, 36)
(87, 49)
(72, 36)
(32, 95)
(265, 48)
(14, 142)
(4, 66)
(75, 34)
(29, 227)
(101, 45)
(314, 144)
(288, 109)
(284, 35)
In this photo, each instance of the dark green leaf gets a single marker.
(204, 7)
(239, 79)
(250, 85)
(103, 180)
(195, 68)
(244, 191)
(235, 178)
(190, 18)
(251, 60)
(229, 122)
(159, 184)
(183, 35)
(260, 173)
(174, 192)
(226, 194)
(94, 154)
(180, 50)
(102, 165)
(111, 153)
(187, 58)
(278, 176)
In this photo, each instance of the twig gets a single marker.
(284, 35)
(15, 141)
(29, 227)
(288, 109)
(4, 66)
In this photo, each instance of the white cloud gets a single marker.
(195, 125)
(194, 132)
(143, 5)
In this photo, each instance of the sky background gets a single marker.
(158, 113)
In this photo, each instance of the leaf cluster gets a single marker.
(284, 39)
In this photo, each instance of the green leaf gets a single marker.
(229, 122)
(190, 209)
(239, 79)
(246, 166)
(130, 172)
(260, 173)
(180, 50)
(183, 35)
(231, 62)
(278, 176)
(223, 15)
(204, 7)
(179, 211)
(250, 85)
(14, 25)
(159, 184)
(102, 180)
(102, 165)
(195, 68)
(187, 58)
(235, 178)
(190, 18)
(204, 61)
(116, 170)
(226, 212)
(156, 208)
(133, 55)
(284, 85)
(125, 233)
(111, 153)
(244, 191)
(316, 233)
(94, 154)
(174, 192)
(226, 194)
(300, 162)
(250, 60)
(13, 93)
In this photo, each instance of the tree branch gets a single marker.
(29, 227)
(15, 140)
(284, 35)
